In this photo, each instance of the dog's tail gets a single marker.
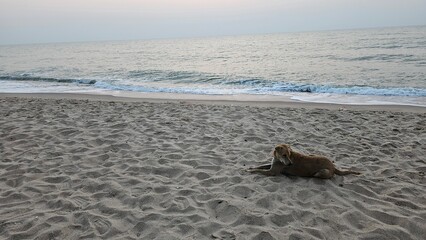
(341, 173)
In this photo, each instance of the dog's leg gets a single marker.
(273, 169)
(267, 166)
(267, 172)
(323, 173)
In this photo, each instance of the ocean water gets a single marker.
(386, 65)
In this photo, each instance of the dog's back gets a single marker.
(307, 165)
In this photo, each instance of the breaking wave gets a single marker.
(48, 79)
(200, 83)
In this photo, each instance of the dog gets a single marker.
(286, 161)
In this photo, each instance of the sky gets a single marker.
(39, 21)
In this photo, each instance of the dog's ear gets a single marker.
(276, 149)
(284, 148)
(287, 150)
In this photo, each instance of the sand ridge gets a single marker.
(130, 170)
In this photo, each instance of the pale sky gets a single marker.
(37, 21)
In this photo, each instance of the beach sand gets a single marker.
(111, 168)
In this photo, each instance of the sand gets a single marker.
(75, 169)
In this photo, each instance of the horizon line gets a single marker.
(211, 36)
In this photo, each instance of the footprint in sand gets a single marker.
(223, 211)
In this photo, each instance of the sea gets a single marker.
(362, 66)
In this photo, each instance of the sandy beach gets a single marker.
(80, 167)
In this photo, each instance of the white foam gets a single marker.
(359, 99)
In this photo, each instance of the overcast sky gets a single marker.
(35, 21)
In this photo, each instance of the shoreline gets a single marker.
(236, 100)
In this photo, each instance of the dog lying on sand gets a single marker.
(286, 161)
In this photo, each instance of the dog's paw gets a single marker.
(244, 171)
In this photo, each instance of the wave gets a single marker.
(379, 57)
(200, 83)
(265, 86)
(252, 87)
(384, 46)
(47, 79)
(172, 76)
(355, 90)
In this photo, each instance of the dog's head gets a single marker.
(283, 153)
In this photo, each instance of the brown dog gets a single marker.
(287, 161)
